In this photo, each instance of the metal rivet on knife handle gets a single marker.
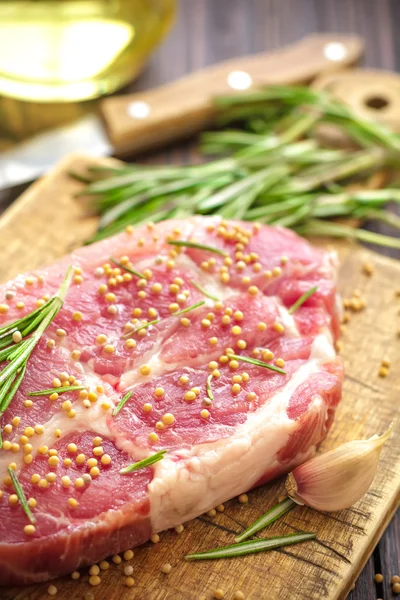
(138, 110)
(239, 80)
(335, 51)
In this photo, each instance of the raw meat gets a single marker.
(260, 423)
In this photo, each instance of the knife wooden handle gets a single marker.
(148, 119)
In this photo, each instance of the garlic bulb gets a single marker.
(338, 478)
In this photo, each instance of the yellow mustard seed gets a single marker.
(190, 396)
(129, 581)
(105, 459)
(166, 568)
(52, 590)
(383, 372)
(145, 370)
(168, 419)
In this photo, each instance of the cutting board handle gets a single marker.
(179, 109)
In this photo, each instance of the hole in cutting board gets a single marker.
(377, 102)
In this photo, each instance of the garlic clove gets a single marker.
(338, 478)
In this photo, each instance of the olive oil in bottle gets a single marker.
(70, 50)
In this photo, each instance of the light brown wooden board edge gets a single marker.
(45, 223)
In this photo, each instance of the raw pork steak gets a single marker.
(68, 452)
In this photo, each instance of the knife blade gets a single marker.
(138, 122)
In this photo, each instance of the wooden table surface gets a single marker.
(208, 31)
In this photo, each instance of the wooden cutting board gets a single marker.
(47, 222)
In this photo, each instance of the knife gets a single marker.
(134, 123)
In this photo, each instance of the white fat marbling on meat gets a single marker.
(322, 347)
(216, 471)
(287, 320)
(92, 419)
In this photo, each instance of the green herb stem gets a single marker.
(59, 390)
(122, 403)
(188, 309)
(252, 547)
(204, 291)
(266, 519)
(258, 363)
(21, 495)
(302, 299)
(197, 246)
(146, 462)
(125, 268)
(208, 387)
(17, 355)
(274, 167)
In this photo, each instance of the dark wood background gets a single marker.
(207, 31)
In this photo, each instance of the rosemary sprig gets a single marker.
(251, 547)
(122, 403)
(258, 363)
(302, 299)
(146, 462)
(188, 244)
(144, 326)
(125, 268)
(204, 291)
(60, 390)
(274, 167)
(208, 387)
(21, 495)
(188, 308)
(31, 327)
(175, 314)
(275, 513)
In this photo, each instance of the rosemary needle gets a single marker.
(302, 299)
(258, 363)
(144, 326)
(275, 513)
(188, 244)
(60, 390)
(204, 291)
(125, 268)
(122, 403)
(208, 387)
(21, 495)
(251, 546)
(188, 309)
(175, 314)
(146, 462)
